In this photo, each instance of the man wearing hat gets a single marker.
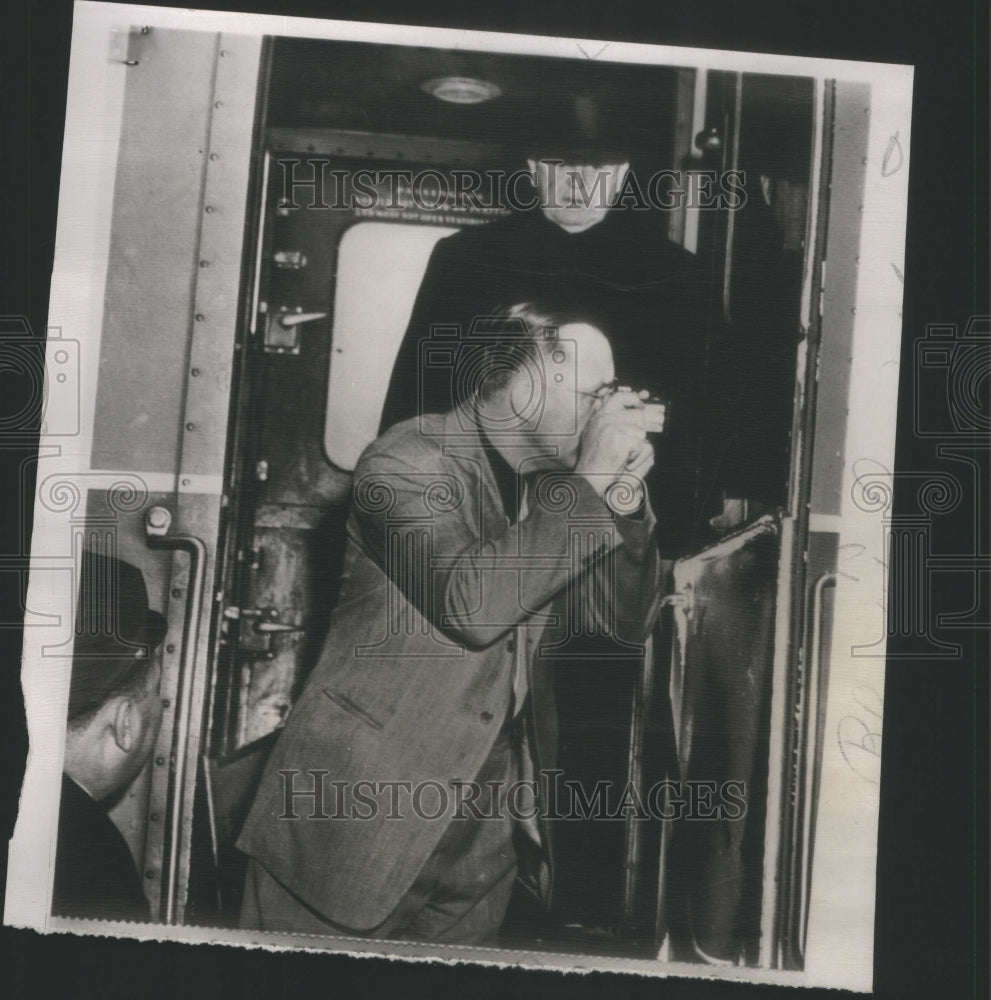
(586, 243)
(113, 720)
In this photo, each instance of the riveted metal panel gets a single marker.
(151, 267)
(219, 257)
(839, 292)
(165, 373)
(214, 320)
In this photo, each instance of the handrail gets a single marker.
(158, 520)
(813, 748)
(642, 695)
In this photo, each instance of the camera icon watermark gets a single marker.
(470, 367)
(953, 380)
(42, 389)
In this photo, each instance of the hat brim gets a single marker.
(155, 628)
(578, 156)
(143, 642)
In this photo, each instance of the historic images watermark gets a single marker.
(547, 797)
(313, 183)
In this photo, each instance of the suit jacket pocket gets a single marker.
(353, 708)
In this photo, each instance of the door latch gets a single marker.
(257, 626)
(282, 329)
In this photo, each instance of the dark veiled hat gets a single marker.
(115, 630)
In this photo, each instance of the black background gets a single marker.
(931, 929)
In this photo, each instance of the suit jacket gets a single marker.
(416, 675)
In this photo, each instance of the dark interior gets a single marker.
(377, 88)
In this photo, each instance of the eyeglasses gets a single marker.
(603, 392)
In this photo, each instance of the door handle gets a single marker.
(288, 320)
(158, 520)
(282, 330)
(267, 627)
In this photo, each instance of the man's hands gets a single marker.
(615, 454)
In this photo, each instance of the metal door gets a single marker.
(745, 695)
(730, 664)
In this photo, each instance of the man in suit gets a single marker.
(115, 711)
(482, 542)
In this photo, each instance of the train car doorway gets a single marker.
(356, 178)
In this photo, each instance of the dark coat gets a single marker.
(95, 877)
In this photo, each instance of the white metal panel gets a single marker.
(380, 267)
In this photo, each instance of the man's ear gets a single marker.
(520, 397)
(513, 397)
(125, 724)
(767, 188)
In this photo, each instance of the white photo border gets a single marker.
(840, 950)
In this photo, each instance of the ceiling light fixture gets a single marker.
(461, 89)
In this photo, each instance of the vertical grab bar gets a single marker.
(643, 689)
(813, 749)
(158, 520)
